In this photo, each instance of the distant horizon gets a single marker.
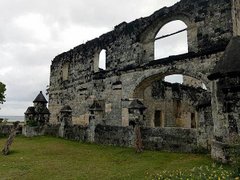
(12, 118)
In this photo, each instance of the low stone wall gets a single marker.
(166, 139)
(170, 139)
(33, 131)
(52, 130)
(5, 129)
(49, 130)
(77, 133)
(114, 135)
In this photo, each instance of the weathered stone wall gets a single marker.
(205, 126)
(5, 129)
(115, 135)
(189, 81)
(75, 80)
(115, 89)
(236, 17)
(77, 133)
(170, 139)
(51, 130)
(226, 104)
(166, 139)
(29, 131)
(176, 103)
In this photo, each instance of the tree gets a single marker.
(2, 91)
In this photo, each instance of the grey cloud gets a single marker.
(25, 57)
(90, 12)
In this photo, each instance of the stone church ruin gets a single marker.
(103, 103)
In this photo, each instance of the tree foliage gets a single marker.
(2, 93)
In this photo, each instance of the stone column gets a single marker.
(136, 119)
(96, 117)
(226, 104)
(65, 119)
(226, 116)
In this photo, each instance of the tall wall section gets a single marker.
(77, 81)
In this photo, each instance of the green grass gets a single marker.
(53, 158)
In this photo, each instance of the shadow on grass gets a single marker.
(12, 152)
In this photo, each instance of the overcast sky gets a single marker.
(33, 32)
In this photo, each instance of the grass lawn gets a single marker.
(53, 158)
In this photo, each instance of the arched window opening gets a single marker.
(204, 86)
(176, 78)
(185, 80)
(171, 40)
(102, 60)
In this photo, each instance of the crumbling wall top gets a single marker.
(211, 18)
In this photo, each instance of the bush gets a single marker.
(31, 123)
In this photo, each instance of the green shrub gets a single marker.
(31, 122)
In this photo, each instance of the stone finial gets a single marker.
(40, 98)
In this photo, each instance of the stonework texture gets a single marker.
(99, 99)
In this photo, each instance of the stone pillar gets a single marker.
(96, 117)
(226, 104)
(226, 116)
(136, 119)
(136, 113)
(65, 120)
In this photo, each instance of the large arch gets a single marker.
(154, 74)
(144, 81)
(170, 105)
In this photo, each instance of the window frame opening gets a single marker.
(162, 48)
(102, 61)
(183, 80)
(158, 118)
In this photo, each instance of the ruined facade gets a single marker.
(103, 96)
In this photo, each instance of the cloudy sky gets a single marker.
(33, 32)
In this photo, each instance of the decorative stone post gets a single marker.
(226, 104)
(36, 117)
(136, 119)
(96, 117)
(65, 119)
